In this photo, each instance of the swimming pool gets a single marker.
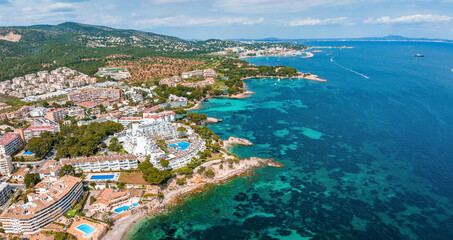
(102, 177)
(120, 209)
(180, 146)
(87, 229)
(135, 204)
(28, 153)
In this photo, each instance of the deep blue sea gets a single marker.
(368, 155)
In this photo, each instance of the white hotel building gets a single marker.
(52, 197)
(102, 163)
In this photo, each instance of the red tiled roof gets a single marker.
(162, 115)
(130, 119)
(8, 138)
(153, 108)
(54, 110)
(42, 128)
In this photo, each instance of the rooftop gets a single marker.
(55, 110)
(46, 192)
(97, 159)
(8, 138)
(43, 122)
(108, 195)
(50, 166)
(152, 109)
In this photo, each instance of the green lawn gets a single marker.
(71, 213)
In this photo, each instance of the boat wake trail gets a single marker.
(360, 74)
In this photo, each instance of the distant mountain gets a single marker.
(387, 38)
(84, 47)
(26, 49)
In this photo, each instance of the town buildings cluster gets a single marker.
(32, 85)
(206, 77)
(149, 133)
(117, 73)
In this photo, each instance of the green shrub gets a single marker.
(209, 173)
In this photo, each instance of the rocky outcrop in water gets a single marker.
(236, 141)
(212, 120)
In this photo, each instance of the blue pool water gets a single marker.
(102, 177)
(120, 209)
(181, 145)
(135, 204)
(28, 152)
(87, 229)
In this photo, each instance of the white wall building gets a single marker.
(5, 190)
(104, 163)
(6, 166)
(52, 197)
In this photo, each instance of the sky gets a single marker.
(232, 19)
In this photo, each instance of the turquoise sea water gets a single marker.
(368, 155)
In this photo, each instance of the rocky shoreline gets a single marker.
(174, 194)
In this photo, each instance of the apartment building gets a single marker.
(6, 166)
(50, 199)
(56, 114)
(20, 113)
(39, 126)
(5, 191)
(160, 117)
(109, 198)
(10, 143)
(190, 74)
(102, 163)
(50, 169)
(209, 73)
(128, 120)
(75, 111)
(151, 110)
(94, 94)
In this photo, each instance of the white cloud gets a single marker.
(170, 1)
(416, 18)
(313, 22)
(275, 6)
(184, 21)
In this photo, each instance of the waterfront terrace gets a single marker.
(51, 198)
(102, 163)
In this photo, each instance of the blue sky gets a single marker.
(203, 19)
